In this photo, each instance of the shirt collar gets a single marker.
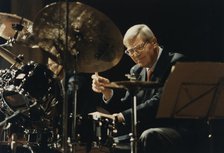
(159, 54)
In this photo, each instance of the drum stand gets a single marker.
(70, 85)
(133, 135)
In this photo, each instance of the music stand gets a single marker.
(194, 90)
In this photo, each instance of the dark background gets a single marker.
(192, 27)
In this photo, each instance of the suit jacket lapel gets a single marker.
(161, 66)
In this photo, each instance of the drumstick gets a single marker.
(101, 80)
(97, 75)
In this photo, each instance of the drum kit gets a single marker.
(33, 98)
(76, 37)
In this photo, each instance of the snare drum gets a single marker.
(103, 130)
(95, 135)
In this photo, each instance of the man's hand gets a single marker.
(118, 117)
(98, 85)
(97, 115)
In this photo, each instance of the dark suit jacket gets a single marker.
(194, 132)
(148, 98)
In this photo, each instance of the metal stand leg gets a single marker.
(133, 135)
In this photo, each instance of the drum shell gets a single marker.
(37, 95)
(94, 135)
(33, 84)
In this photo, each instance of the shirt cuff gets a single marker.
(107, 101)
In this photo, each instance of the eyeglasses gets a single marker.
(137, 49)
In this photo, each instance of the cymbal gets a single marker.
(94, 43)
(132, 85)
(13, 26)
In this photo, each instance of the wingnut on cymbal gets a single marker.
(14, 27)
(93, 41)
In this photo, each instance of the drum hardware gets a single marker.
(36, 137)
(15, 29)
(32, 136)
(16, 61)
(132, 86)
(16, 87)
(119, 142)
(104, 130)
(75, 30)
(13, 144)
(5, 132)
(11, 141)
(85, 44)
(12, 116)
(30, 107)
(120, 138)
(19, 149)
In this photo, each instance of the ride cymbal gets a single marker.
(91, 42)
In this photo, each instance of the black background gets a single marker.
(192, 27)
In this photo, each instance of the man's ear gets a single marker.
(155, 44)
(154, 41)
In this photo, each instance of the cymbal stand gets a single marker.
(133, 135)
(65, 148)
(70, 88)
(73, 91)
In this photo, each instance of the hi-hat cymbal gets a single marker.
(132, 85)
(14, 27)
(92, 36)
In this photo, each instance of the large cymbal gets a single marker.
(132, 85)
(11, 24)
(91, 35)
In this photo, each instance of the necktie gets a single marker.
(149, 74)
